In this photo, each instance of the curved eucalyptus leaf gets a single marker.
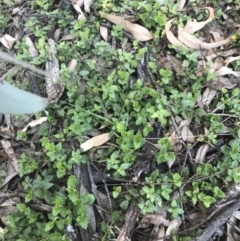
(16, 101)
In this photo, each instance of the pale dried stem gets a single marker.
(7, 57)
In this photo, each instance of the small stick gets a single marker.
(7, 57)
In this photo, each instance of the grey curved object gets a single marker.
(16, 101)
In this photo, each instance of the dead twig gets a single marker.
(35, 203)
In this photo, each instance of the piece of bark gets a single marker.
(218, 220)
(130, 221)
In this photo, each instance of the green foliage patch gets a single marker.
(105, 91)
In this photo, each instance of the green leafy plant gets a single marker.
(165, 153)
(105, 93)
(175, 210)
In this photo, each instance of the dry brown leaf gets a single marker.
(6, 211)
(226, 53)
(175, 64)
(196, 217)
(170, 36)
(225, 70)
(199, 102)
(181, 4)
(184, 133)
(105, 204)
(31, 47)
(219, 82)
(184, 123)
(155, 219)
(191, 137)
(67, 37)
(217, 64)
(194, 43)
(72, 65)
(230, 59)
(57, 34)
(4, 155)
(6, 133)
(161, 233)
(95, 141)
(177, 148)
(35, 123)
(170, 163)
(208, 95)
(18, 34)
(211, 56)
(187, 135)
(15, 10)
(185, 39)
(216, 36)
(86, 3)
(104, 32)
(178, 119)
(174, 225)
(229, 52)
(173, 138)
(193, 26)
(7, 41)
(76, 6)
(201, 153)
(139, 33)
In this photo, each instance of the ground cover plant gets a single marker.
(140, 139)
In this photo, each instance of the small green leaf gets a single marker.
(138, 141)
(49, 226)
(174, 204)
(73, 196)
(218, 192)
(72, 181)
(177, 179)
(82, 221)
(171, 156)
(124, 204)
(29, 196)
(116, 191)
(120, 127)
